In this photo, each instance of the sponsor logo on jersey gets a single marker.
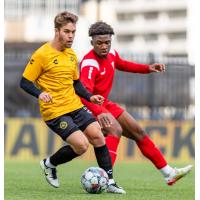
(72, 58)
(63, 125)
(55, 61)
(103, 72)
(113, 64)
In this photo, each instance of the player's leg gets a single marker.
(114, 132)
(112, 137)
(77, 141)
(132, 130)
(96, 138)
(91, 128)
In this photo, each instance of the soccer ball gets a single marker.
(94, 180)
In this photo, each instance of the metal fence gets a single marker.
(153, 96)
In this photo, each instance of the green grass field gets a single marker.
(24, 180)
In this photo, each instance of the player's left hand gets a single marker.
(157, 67)
(97, 99)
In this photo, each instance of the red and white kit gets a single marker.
(94, 71)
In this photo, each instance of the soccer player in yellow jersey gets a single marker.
(52, 76)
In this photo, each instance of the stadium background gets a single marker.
(163, 103)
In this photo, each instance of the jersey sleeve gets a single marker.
(89, 69)
(34, 68)
(127, 66)
(76, 71)
(88, 72)
(96, 109)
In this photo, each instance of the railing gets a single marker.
(168, 95)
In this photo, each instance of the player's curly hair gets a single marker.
(63, 18)
(100, 28)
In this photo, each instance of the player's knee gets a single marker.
(140, 135)
(81, 147)
(114, 130)
(118, 131)
(97, 139)
(141, 132)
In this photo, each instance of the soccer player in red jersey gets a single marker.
(97, 70)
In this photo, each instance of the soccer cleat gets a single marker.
(50, 174)
(177, 174)
(114, 188)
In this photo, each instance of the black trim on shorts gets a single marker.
(83, 127)
(65, 136)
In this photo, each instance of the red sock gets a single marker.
(150, 151)
(112, 143)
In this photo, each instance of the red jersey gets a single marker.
(97, 74)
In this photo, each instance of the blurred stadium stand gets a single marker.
(154, 96)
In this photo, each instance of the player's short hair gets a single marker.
(100, 28)
(63, 18)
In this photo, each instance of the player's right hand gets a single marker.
(157, 67)
(104, 120)
(97, 99)
(46, 97)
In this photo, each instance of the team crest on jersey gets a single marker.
(31, 61)
(63, 125)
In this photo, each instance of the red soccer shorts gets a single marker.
(113, 108)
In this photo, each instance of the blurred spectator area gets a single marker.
(169, 95)
(17, 102)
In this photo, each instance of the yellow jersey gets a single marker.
(54, 72)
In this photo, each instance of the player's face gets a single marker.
(101, 44)
(66, 34)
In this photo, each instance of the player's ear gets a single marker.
(56, 30)
(92, 43)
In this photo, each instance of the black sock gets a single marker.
(63, 155)
(104, 160)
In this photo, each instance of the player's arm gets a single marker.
(84, 93)
(127, 66)
(81, 90)
(30, 75)
(30, 87)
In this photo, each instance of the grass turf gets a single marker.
(24, 180)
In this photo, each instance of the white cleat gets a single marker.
(114, 188)
(177, 174)
(50, 174)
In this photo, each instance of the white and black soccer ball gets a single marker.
(94, 180)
